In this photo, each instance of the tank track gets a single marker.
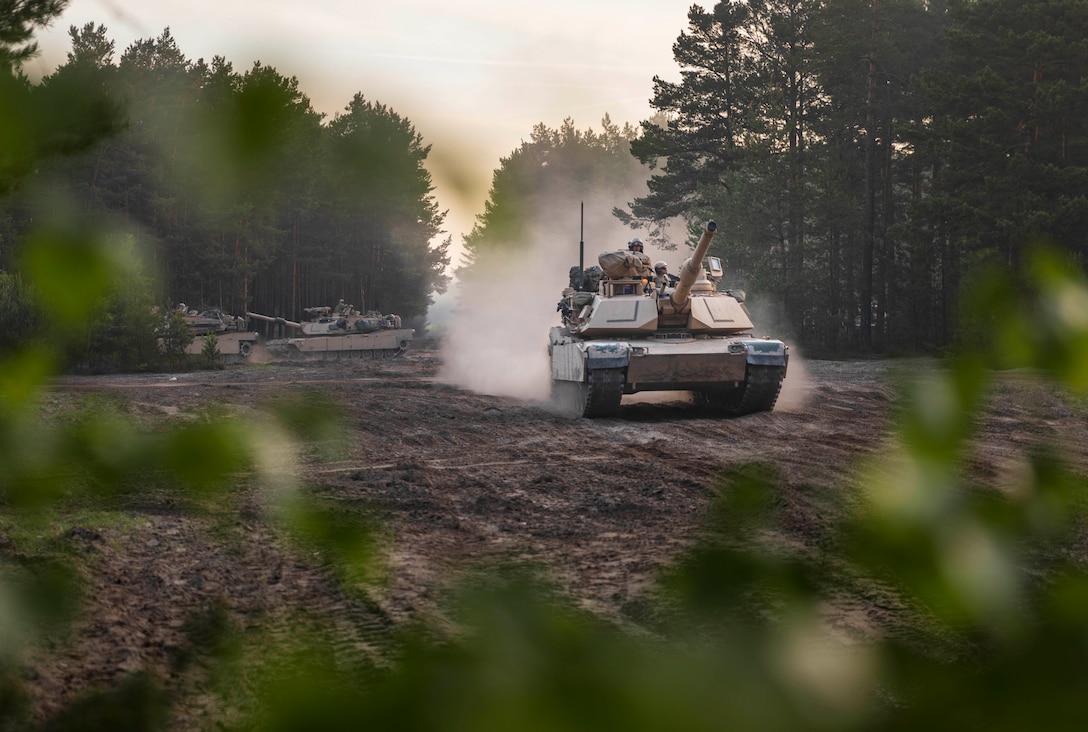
(758, 393)
(605, 389)
(286, 349)
(598, 397)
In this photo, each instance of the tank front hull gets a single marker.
(739, 374)
(693, 364)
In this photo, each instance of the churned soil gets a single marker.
(458, 479)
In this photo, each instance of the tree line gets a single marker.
(863, 157)
(866, 155)
(232, 189)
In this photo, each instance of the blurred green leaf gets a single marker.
(72, 267)
(206, 456)
(22, 375)
(347, 540)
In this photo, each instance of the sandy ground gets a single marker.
(458, 478)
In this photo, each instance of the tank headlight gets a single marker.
(737, 348)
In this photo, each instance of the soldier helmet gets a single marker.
(635, 245)
(658, 266)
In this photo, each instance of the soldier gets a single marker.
(635, 245)
(662, 278)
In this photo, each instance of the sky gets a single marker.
(472, 76)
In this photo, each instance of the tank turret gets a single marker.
(209, 321)
(627, 335)
(340, 329)
(335, 321)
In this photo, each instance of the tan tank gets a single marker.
(340, 332)
(210, 321)
(232, 340)
(622, 334)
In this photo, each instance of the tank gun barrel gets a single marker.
(277, 321)
(692, 267)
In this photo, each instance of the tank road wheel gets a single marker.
(758, 393)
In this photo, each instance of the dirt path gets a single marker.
(460, 477)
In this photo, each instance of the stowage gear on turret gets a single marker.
(620, 264)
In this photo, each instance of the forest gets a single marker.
(863, 159)
(228, 187)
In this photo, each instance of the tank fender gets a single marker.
(573, 360)
(607, 355)
(766, 352)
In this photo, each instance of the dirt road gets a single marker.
(459, 477)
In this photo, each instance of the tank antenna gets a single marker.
(581, 237)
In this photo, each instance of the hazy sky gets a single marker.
(472, 76)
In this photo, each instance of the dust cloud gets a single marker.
(259, 355)
(797, 386)
(770, 321)
(496, 339)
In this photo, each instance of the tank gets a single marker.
(210, 321)
(622, 333)
(340, 331)
(232, 340)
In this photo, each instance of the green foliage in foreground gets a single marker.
(91, 300)
(983, 597)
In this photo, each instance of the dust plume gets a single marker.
(496, 340)
(259, 355)
(797, 386)
(769, 318)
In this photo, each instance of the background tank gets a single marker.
(232, 341)
(622, 335)
(340, 331)
(210, 321)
